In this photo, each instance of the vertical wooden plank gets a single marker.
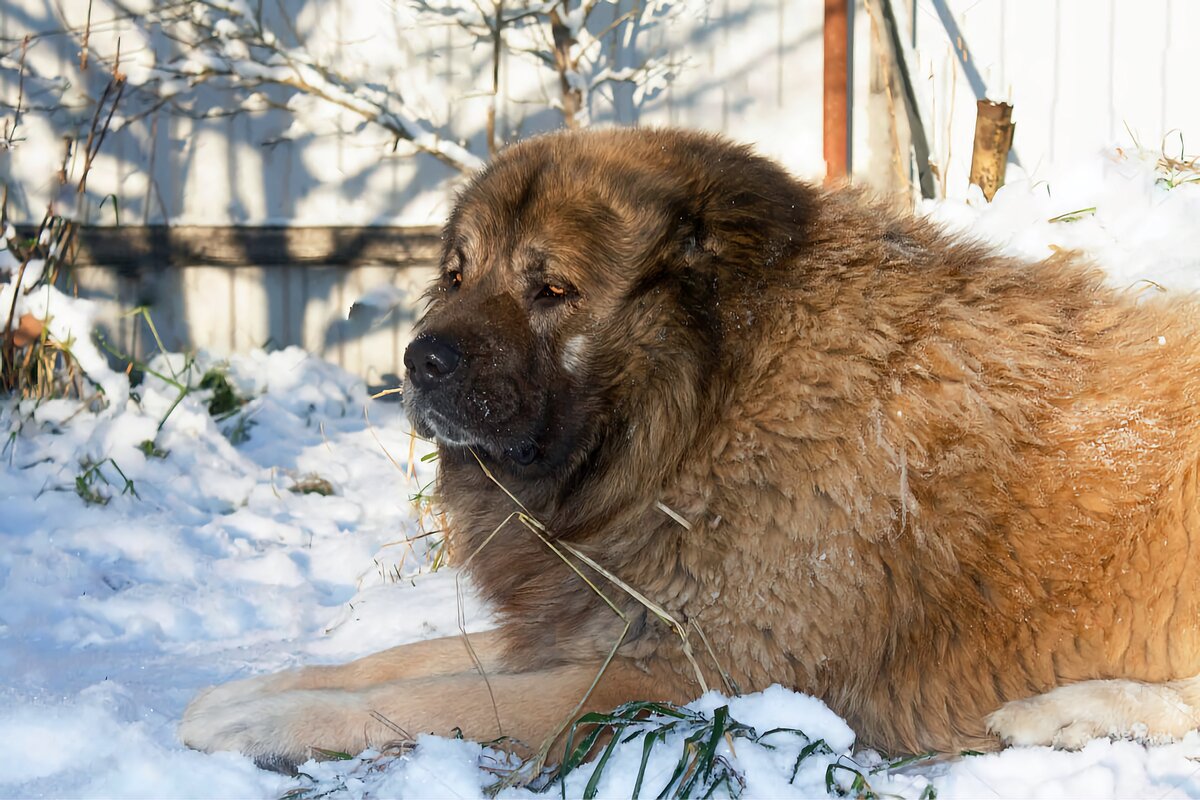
(251, 314)
(349, 289)
(134, 335)
(450, 55)
(981, 23)
(1084, 79)
(412, 282)
(167, 294)
(207, 308)
(771, 57)
(939, 77)
(866, 136)
(276, 311)
(704, 107)
(883, 141)
(321, 335)
(943, 86)
(1180, 68)
(295, 296)
(673, 39)
(795, 135)
(171, 163)
(103, 287)
(1030, 66)
(277, 298)
(203, 178)
(376, 336)
(1141, 52)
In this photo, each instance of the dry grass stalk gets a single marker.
(32, 363)
(539, 530)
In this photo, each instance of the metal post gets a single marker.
(837, 91)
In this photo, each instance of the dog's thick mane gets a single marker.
(720, 220)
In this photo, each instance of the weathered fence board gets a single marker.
(226, 309)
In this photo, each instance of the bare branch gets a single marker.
(556, 35)
(225, 45)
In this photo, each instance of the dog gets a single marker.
(700, 424)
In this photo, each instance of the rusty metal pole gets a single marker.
(837, 91)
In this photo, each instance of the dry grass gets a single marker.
(533, 767)
(1174, 169)
(431, 523)
(32, 363)
(1175, 172)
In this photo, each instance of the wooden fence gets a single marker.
(234, 289)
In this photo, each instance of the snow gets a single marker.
(1113, 207)
(205, 566)
(112, 616)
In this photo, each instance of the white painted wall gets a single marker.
(752, 68)
(1079, 73)
(1082, 75)
(234, 309)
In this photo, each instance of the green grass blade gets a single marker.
(680, 768)
(573, 755)
(709, 753)
(652, 738)
(593, 784)
(817, 747)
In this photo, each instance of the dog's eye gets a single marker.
(552, 291)
(454, 278)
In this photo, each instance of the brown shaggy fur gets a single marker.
(921, 480)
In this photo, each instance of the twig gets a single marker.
(10, 135)
(87, 33)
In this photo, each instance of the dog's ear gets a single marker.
(695, 238)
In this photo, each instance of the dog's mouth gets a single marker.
(516, 448)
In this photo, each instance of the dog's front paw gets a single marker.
(1070, 716)
(239, 691)
(278, 730)
(1045, 721)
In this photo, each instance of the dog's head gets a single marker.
(577, 315)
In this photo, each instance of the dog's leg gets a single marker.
(1069, 716)
(282, 728)
(447, 656)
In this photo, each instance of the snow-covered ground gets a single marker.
(133, 574)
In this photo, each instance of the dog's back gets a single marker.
(966, 481)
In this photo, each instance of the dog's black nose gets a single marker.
(430, 359)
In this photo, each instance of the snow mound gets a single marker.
(1136, 219)
(139, 564)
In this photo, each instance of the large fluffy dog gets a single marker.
(951, 495)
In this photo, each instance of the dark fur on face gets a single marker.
(580, 278)
(597, 289)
